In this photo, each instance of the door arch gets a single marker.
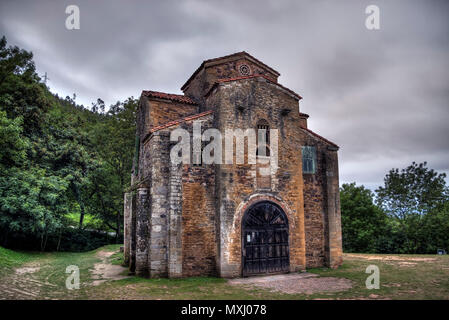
(265, 245)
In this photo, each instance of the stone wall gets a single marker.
(315, 207)
(222, 69)
(198, 220)
(321, 206)
(334, 240)
(237, 184)
(185, 220)
(159, 151)
(175, 212)
(164, 111)
(154, 112)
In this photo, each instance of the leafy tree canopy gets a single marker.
(413, 190)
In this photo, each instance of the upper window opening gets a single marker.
(308, 159)
(263, 138)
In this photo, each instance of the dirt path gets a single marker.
(292, 283)
(389, 257)
(105, 271)
(44, 278)
(23, 283)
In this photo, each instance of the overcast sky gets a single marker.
(382, 95)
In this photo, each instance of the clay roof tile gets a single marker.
(169, 96)
(320, 137)
(177, 121)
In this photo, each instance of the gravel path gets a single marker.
(306, 283)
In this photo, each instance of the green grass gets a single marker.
(88, 220)
(49, 280)
(10, 259)
(425, 280)
(117, 259)
(197, 288)
(400, 278)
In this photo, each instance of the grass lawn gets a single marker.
(42, 276)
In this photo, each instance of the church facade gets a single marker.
(229, 218)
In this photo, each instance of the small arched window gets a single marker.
(263, 138)
(308, 159)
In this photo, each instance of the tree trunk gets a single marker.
(42, 242)
(79, 199)
(117, 233)
(45, 242)
(59, 239)
(5, 240)
(82, 213)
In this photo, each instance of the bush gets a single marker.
(70, 239)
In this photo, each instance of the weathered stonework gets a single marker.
(127, 202)
(186, 219)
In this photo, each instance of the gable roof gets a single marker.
(177, 121)
(316, 135)
(251, 77)
(241, 53)
(169, 96)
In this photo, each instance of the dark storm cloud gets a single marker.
(383, 96)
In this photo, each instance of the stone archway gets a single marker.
(265, 239)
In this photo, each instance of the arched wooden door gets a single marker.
(265, 240)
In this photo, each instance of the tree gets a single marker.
(21, 93)
(12, 145)
(415, 198)
(114, 136)
(435, 231)
(32, 203)
(46, 155)
(413, 190)
(362, 221)
(58, 160)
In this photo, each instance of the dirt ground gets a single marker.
(388, 257)
(43, 276)
(40, 280)
(307, 283)
(104, 271)
(23, 283)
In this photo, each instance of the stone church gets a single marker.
(227, 220)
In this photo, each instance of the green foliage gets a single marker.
(13, 146)
(114, 136)
(413, 190)
(30, 201)
(117, 259)
(411, 215)
(416, 199)
(71, 239)
(362, 221)
(434, 233)
(10, 258)
(58, 159)
(21, 93)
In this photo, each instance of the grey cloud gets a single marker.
(383, 95)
